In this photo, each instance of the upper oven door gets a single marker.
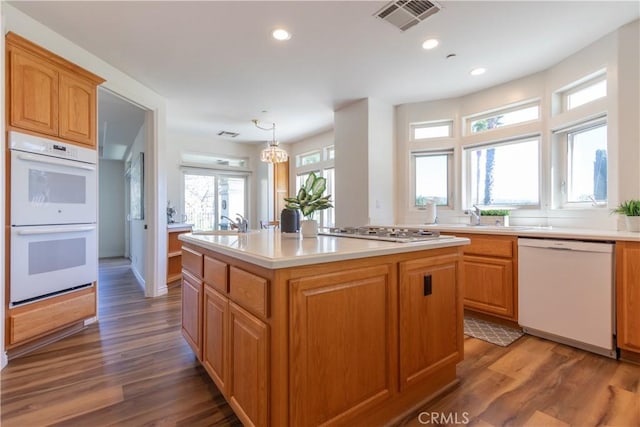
(51, 190)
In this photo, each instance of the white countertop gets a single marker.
(269, 249)
(530, 231)
(179, 225)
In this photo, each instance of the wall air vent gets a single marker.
(404, 14)
(228, 134)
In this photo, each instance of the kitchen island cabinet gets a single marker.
(328, 330)
(628, 298)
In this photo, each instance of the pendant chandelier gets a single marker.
(272, 153)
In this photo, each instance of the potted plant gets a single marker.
(631, 211)
(309, 200)
(494, 217)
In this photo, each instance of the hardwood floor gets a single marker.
(133, 368)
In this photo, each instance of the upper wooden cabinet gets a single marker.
(49, 95)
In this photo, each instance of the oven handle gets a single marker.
(56, 230)
(54, 161)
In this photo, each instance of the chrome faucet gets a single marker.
(240, 223)
(475, 215)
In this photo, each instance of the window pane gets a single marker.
(432, 131)
(587, 165)
(432, 175)
(199, 199)
(331, 153)
(505, 174)
(308, 158)
(506, 119)
(230, 197)
(329, 215)
(588, 94)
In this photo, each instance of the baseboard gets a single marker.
(3, 360)
(162, 290)
(139, 278)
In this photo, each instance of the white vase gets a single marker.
(632, 223)
(309, 228)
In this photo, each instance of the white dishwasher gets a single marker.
(566, 294)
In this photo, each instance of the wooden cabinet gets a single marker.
(490, 277)
(628, 295)
(430, 334)
(215, 337)
(342, 342)
(49, 95)
(174, 252)
(192, 311)
(354, 342)
(247, 390)
(280, 187)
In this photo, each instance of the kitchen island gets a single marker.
(327, 330)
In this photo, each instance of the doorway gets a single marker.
(122, 142)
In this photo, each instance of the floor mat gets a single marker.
(491, 332)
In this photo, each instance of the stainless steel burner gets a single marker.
(388, 234)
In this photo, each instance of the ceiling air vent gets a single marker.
(404, 14)
(227, 134)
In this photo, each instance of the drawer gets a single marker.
(249, 291)
(40, 318)
(215, 274)
(192, 261)
(499, 246)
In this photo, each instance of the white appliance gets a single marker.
(566, 293)
(53, 218)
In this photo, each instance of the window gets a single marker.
(432, 177)
(586, 176)
(585, 93)
(505, 117)
(209, 195)
(505, 173)
(308, 158)
(439, 129)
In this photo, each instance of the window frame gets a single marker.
(468, 179)
(413, 155)
(468, 120)
(577, 87)
(562, 152)
(430, 124)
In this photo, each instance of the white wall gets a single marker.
(618, 53)
(351, 127)
(138, 231)
(381, 168)
(123, 85)
(258, 188)
(111, 219)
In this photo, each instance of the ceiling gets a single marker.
(119, 122)
(219, 67)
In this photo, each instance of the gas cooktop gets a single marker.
(387, 234)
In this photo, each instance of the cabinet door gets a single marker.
(192, 312)
(34, 93)
(247, 387)
(77, 110)
(488, 285)
(628, 295)
(430, 331)
(342, 344)
(214, 336)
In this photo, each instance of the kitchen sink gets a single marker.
(219, 232)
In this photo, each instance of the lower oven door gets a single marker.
(50, 260)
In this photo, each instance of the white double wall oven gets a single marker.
(53, 217)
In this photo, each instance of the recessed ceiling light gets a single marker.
(430, 44)
(478, 71)
(281, 34)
